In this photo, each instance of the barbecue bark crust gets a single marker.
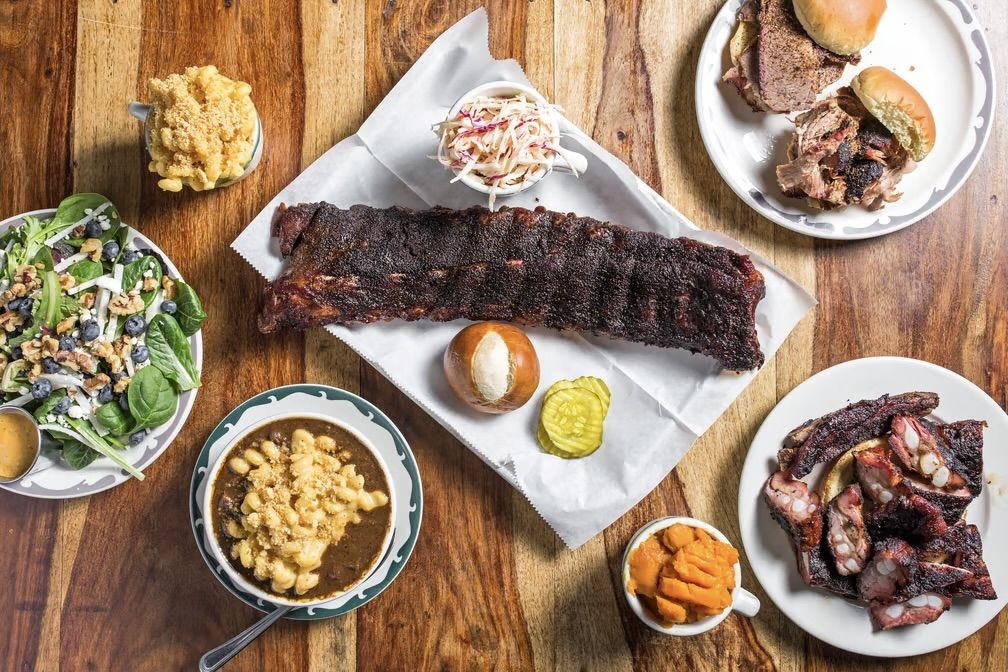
(823, 439)
(533, 267)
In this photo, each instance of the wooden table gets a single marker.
(115, 581)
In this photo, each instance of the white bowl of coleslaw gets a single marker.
(502, 138)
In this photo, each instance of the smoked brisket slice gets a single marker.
(793, 68)
(537, 268)
(825, 438)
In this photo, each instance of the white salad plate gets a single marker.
(836, 621)
(52, 478)
(936, 45)
(346, 409)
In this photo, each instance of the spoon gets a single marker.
(215, 658)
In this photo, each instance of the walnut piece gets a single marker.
(126, 303)
(168, 285)
(93, 248)
(9, 321)
(96, 382)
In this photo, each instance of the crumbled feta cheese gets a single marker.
(76, 412)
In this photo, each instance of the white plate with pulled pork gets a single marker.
(845, 120)
(869, 507)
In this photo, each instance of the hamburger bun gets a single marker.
(842, 26)
(843, 471)
(899, 107)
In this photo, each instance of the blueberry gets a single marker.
(62, 407)
(25, 307)
(14, 304)
(93, 229)
(16, 353)
(168, 307)
(110, 250)
(129, 256)
(139, 354)
(41, 388)
(135, 325)
(116, 376)
(67, 343)
(105, 395)
(49, 365)
(137, 437)
(123, 402)
(89, 330)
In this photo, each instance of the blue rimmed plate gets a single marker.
(365, 418)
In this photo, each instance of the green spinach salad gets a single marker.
(94, 333)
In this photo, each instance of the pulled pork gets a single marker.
(841, 155)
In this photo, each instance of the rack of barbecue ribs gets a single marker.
(532, 267)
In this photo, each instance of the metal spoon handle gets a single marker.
(215, 658)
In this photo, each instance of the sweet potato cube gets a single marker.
(677, 536)
(696, 555)
(680, 591)
(691, 571)
(671, 611)
(646, 562)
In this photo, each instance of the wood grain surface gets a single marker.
(114, 582)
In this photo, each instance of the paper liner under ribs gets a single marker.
(533, 267)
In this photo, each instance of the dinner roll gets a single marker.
(842, 26)
(899, 107)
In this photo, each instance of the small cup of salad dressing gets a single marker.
(20, 443)
(501, 138)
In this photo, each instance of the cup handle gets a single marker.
(746, 603)
(138, 110)
(570, 162)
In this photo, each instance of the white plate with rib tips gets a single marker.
(835, 620)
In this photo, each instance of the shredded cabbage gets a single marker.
(508, 143)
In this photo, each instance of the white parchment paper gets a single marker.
(662, 400)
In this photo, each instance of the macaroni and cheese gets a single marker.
(289, 497)
(202, 128)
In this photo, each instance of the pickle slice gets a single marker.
(596, 385)
(599, 387)
(572, 419)
(560, 385)
(547, 443)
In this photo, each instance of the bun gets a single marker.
(843, 472)
(899, 107)
(491, 366)
(842, 26)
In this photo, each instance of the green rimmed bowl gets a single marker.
(346, 408)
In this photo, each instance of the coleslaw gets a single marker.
(508, 143)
